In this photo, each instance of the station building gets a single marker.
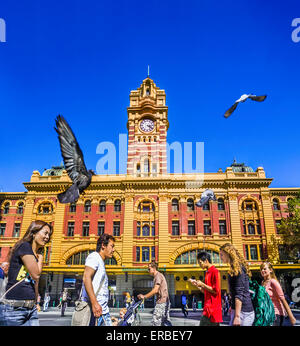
(151, 213)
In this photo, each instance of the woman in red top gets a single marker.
(274, 289)
(212, 309)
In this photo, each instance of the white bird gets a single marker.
(243, 98)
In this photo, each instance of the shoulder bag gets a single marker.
(83, 310)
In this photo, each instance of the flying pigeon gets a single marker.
(206, 196)
(74, 162)
(243, 98)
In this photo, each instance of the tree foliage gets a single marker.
(289, 229)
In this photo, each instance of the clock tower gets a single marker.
(147, 131)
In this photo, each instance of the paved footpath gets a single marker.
(53, 318)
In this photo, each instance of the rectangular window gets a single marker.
(153, 228)
(207, 227)
(175, 227)
(253, 252)
(277, 222)
(101, 227)
(146, 230)
(138, 258)
(86, 229)
(251, 228)
(2, 229)
(154, 169)
(222, 227)
(258, 228)
(116, 229)
(71, 226)
(191, 227)
(153, 253)
(138, 229)
(261, 252)
(16, 233)
(244, 227)
(247, 252)
(145, 254)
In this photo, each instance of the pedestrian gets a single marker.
(161, 313)
(212, 309)
(18, 307)
(194, 303)
(276, 294)
(3, 277)
(95, 281)
(242, 311)
(184, 305)
(64, 301)
(226, 304)
(46, 302)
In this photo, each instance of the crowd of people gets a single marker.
(19, 280)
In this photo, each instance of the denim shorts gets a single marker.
(17, 316)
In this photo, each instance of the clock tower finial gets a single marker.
(148, 71)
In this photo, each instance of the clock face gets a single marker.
(147, 125)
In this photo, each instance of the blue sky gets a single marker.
(81, 59)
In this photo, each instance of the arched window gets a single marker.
(6, 208)
(175, 204)
(190, 257)
(190, 204)
(117, 205)
(20, 208)
(87, 206)
(102, 206)
(206, 206)
(79, 258)
(45, 208)
(146, 166)
(146, 207)
(249, 205)
(276, 205)
(72, 208)
(221, 205)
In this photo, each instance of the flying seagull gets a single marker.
(74, 162)
(243, 98)
(206, 196)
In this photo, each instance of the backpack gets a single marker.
(263, 305)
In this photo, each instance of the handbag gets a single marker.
(83, 310)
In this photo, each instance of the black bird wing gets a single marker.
(231, 110)
(71, 152)
(257, 98)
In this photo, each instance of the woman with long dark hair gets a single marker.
(18, 306)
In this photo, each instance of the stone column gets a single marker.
(236, 235)
(163, 232)
(127, 255)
